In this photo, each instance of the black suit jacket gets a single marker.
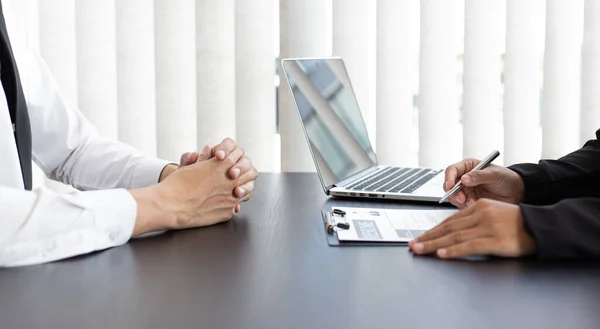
(562, 203)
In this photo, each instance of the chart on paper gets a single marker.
(389, 225)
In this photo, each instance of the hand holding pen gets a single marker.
(485, 227)
(472, 179)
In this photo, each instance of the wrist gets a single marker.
(527, 240)
(167, 170)
(152, 215)
(520, 188)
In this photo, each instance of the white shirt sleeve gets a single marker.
(41, 226)
(66, 146)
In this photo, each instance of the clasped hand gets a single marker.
(220, 152)
(204, 190)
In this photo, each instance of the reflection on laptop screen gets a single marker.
(331, 117)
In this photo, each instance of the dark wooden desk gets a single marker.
(272, 268)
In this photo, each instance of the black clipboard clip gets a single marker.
(335, 218)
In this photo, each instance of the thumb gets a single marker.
(193, 158)
(479, 177)
(206, 154)
(184, 158)
(188, 158)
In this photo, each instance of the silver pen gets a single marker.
(481, 165)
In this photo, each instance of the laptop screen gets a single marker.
(331, 117)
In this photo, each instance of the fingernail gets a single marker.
(242, 192)
(221, 154)
(236, 172)
(418, 247)
(442, 253)
(466, 179)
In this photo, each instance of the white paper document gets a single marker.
(388, 225)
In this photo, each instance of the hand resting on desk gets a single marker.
(490, 221)
(198, 194)
(220, 152)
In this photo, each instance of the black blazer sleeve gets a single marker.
(561, 209)
(567, 229)
(573, 176)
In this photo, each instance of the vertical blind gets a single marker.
(436, 80)
(523, 80)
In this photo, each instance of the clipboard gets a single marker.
(335, 220)
(379, 226)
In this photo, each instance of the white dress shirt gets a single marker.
(42, 225)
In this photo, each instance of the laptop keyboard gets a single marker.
(395, 180)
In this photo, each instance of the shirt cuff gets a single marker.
(147, 172)
(84, 222)
(114, 213)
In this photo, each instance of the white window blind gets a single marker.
(216, 76)
(483, 47)
(305, 31)
(436, 80)
(96, 42)
(136, 74)
(522, 80)
(255, 69)
(175, 55)
(354, 41)
(590, 71)
(397, 81)
(440, 138)
(562, 77)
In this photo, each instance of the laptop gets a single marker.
(337, 137)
